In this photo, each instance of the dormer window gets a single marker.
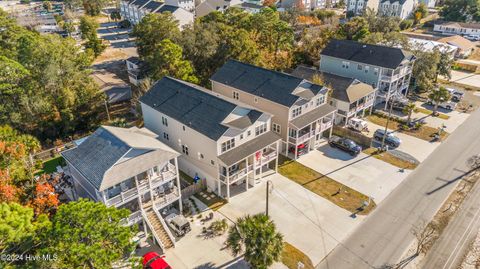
(296, 112)
(227, 145)
(320, 100)
(260, 129)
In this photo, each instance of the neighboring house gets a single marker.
(135, 10)
(249, 7)
(349, 96)
(430, 46)
(428, 3)
(358, 7)
(229, 145)
(128, 168)
(301, 115)
(309, 4)
(457, 28)
(396, 8)
(464, 46)
(208, 6)
(388, 69)
(135, 70)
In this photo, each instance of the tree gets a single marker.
(47, 5)
(425, 69)
(444, 65)
(167, 60)
(88, 234)
(437, 96)
(44, 199)
(460, 10)
(69, 27)
(93, 7)
(355, 29)
(152, 29)
(312, 43)
(256, 236)
(420, 12)
(409, 109)
(8, 191)
(115, 15)
(88, 30)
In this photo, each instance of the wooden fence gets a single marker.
(359, 138)
(190, 190)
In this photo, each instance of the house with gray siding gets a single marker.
(132, 169)
(388, 69)
(351, 97)
(301, 116)
(230, 146)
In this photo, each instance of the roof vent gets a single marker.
(364, 46)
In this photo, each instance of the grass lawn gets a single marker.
(50, 166)
(429, 112)
(292, 255)
(391, 159)
(425, 132)
(213, 203)
(324, 186)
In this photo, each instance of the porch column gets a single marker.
(388, 95)
(356, 106)
(331, 127)
(296, 144)
(228, 186)
(180, 205)
(219, 183)
(246, 179)
(276, 160)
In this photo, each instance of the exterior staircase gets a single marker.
(157, 226)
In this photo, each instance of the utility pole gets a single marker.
(106, 108)
(269, 183)
(386, 125)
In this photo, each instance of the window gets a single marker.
(249, 133)
(345, 65)
(164, 121)
(297, 111)
(185, 149)
(260, 129)
(276, 128)
(228, 145)
(375, 71)
(235, 95)
(366, 69)
(165, 136)
(212, 162)
(200, 155)
(241, 136)
(292, 133)
(184, 127)
(359, 67)
(320, 100)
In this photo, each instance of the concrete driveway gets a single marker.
(363, 173)
(309, 222)
(417, 148)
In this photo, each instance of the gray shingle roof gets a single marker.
(365, 53)
(168, 8)
(272, 85)
(152, 6)
(96, 155)
(312, 116)
(140, 3)
(187, 104)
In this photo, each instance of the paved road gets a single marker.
(449, 250)
(384, 236)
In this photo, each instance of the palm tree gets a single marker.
(437, 96)
(258, 238)
(408, 109)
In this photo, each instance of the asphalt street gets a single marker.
(448, 252)
(383, 238)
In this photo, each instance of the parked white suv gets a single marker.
(449, 105)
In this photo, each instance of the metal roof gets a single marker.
(241, 152)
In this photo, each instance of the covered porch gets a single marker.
(242, 166)
(306, 131)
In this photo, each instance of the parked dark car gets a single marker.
(153, 260)
(390, 138)
(345, 144)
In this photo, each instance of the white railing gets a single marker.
(325, 125)
(167, 199)
(266, 158)
(300, 139)
(157, 238)
(165, 227)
